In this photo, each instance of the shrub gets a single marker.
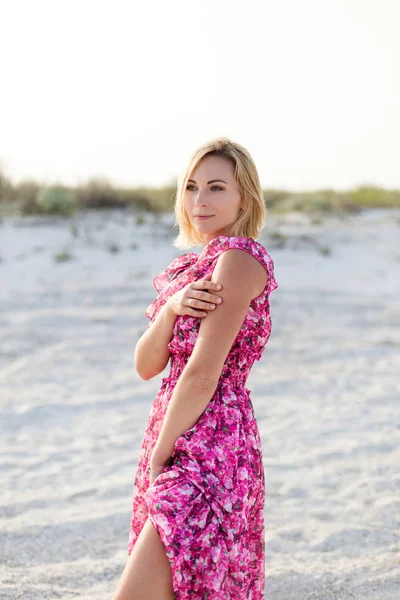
(136, 198)
(140, 220)
(62, 256)
(373, 197)
(6, 188)
(98, 193)
(56, 200)
(27, 193)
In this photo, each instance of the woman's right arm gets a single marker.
(151, 352)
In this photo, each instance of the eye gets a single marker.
(213, 187)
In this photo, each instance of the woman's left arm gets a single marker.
(243, 278)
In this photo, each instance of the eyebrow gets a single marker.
(208, 182)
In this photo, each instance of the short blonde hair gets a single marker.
(250, 220)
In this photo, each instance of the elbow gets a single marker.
(141, 369)
(144, 376)
(143, 373)
(141, 365)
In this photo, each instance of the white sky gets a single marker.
(128, 89)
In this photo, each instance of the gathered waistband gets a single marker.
(224, 382)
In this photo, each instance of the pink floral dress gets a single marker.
(207, 505)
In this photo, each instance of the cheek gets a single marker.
(231, 203)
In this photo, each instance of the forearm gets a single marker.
(151, 352)
(188, 401)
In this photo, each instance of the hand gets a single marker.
(152, 477)
(156, 468)
(193, 300)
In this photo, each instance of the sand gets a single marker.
(73, 410)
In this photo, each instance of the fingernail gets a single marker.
(218, 286)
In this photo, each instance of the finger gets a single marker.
(198, 304)
(212, 298)
(195, 307)
(205, 284)
(201, 299)
(197, 313)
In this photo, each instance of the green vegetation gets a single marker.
(113, 248)
(32, 198)
(140, 220)
(56, 200)
(330, 201)
(62, 256)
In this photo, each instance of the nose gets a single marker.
(200, 199)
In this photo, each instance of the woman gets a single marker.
(197, 528)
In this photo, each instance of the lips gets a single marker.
(204, 216)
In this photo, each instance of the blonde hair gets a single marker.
(250, 220)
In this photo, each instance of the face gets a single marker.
(212, 190)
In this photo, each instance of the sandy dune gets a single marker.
(326, 394)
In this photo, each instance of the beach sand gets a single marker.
(73, 410)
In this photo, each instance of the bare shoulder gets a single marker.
(240, 269)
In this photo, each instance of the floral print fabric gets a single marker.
(207, 505)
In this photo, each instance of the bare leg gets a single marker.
(147, 573)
